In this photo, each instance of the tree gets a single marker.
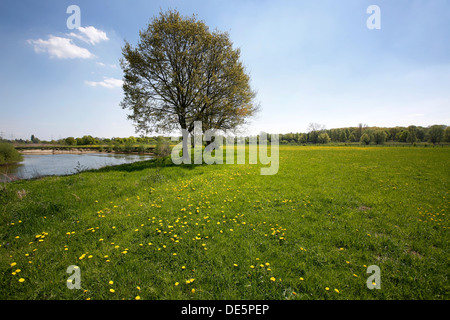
(365, 138)
(379, 136)
(323, 138)
(302, 139)
(70, 141)
(314, 129)
(412, 134)
(34, 139)
(181, 72)
(447, 134)
(436, 133)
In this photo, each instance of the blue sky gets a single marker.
(310, 61)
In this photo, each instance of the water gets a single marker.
(34, 166)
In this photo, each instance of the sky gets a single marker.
(310, 61)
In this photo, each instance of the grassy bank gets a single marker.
(157, 231)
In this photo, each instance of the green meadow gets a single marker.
(153, 230)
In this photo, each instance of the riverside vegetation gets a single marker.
(8, 154)
(153, 230)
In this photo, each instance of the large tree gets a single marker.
(181, 72)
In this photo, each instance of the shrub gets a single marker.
(323, 138)
(162, 148)
(8, 154)
(365, 138)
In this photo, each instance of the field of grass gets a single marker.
(151, 230)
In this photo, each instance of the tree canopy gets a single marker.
(181, 72)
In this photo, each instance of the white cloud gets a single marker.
(106, 83)
(101, 64)
(61, 48)
(90, 35)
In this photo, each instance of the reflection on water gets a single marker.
(34, 166)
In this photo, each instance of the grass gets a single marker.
(158, 231)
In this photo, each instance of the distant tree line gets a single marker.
(87, 140)
(317, 134)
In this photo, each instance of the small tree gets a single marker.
(70, 141)
(365, 139)
(162, 148)
(323, 138)
(34, 139)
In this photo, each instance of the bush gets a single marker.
(323, 138)
(8, 154)
(162, 148)
(365, 138)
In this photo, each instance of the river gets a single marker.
(38, 165)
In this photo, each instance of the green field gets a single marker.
(152, 230)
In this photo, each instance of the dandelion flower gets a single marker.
(176, 284)
(21, 280)
(327, 288)
(112, 290)
(272, 279)
(193, 290)
(336, 290)
(111, 282)
(301, 279)
(137, 298)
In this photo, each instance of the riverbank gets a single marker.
(54, 151)
(74, 151)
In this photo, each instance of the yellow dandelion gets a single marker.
(326, 288)
(272, 279)
(13, 264)
(21, 280)
(193, 290)
(301, 279)
(137, 298)
(336, 290)
(111, 282)
(176, 284)
(112, 290)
